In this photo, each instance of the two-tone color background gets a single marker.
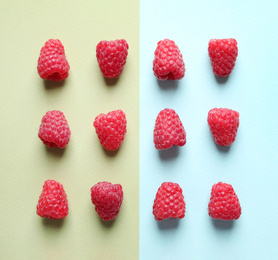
(250, 164)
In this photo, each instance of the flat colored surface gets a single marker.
(250, 164)
(26, 163)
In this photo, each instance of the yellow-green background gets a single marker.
(26, 163)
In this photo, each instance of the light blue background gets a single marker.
(250, 164)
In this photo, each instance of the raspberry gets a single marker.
(223, 123)
(53, 201)
(168, 62)
(54, 130)
(169, 202)
(168, 130)
(111, 129)
(223, 54)
(224, 203)
(107, 198)
(52, 63)
(111, 57)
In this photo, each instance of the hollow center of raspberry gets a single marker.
(171, 76)
(47, 215)
(55, 76)
(50, 144)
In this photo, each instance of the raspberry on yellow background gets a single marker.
(107, 198)
(52, 90)
(53, 202)
(111, 129)
(111, 57)
(54, 129)
(52, 63)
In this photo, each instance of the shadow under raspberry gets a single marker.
(169, 223)
(50, 84)
(168, 84)
(222, 224)
(53, 223)
(221, 80)
(170, 153)
(223, 149)
(107, 224)
(110, 153)
(57, 152)
(110, 82)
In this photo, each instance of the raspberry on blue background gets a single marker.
(223, 124)
(248, 164)
(223, 54)
(168, 63)
(168, 130)
(224, 203)
(169, 202)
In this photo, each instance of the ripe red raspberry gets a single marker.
(223, 123)
(53, 201)
(169, 202)
(111, 129)
(224, 203)
(223, 54)
(111, 57)
(107, 198)
(168, 62)
(54, 130)
(52, 63)
(168, 130)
